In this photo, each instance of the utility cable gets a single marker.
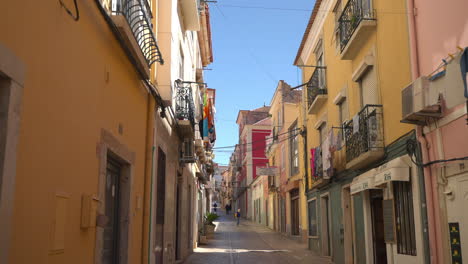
(75, 17)
(308, 10)
(264, 147)
(411, 146)
(248, 143)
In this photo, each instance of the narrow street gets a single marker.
(250, 243)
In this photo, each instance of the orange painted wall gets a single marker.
(66, 103)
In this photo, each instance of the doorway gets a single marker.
(282, 212)
(115, 208)
(190, 217)
(348, 232)
(178, 221)
(160, 206)
(325, 217)
(295, 212)
(376, 203)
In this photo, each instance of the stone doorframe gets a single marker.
(12, 77)
(111, 146)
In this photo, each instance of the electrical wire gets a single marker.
(249, 50)
(307, 10)
(267, 8)
(75, 17)
(264, 147)
(252, 142)
(411, 146)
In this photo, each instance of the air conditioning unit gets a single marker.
(187, 152)
(420, 103)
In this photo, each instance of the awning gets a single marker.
(363, 182)
(394, 170)
(393, 174)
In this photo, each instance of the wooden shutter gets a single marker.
(369, 92)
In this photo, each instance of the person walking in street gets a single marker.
(227, 209)
(215, 206)
(238, 215)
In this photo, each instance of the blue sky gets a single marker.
(254, 43)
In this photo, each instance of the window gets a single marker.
(280, 118)
(293, 149)
(181, 64)
(343, 108)
(12, 74)
(368, 87)
(322, 132)
(337, 11)
(404, 217)
(312, 210)
(320, 62)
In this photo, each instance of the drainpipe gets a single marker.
(415, 72)
(429, 196)
(306, 165)
(148, 190)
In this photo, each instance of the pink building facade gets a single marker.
(436, 101)
(254, 127)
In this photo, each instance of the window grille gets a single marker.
(404, 217)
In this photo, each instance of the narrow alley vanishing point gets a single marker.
(251, 243)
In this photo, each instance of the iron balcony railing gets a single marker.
(316, 85)
(367, 134)
(354, 12)
(185, 107)
(138, 16)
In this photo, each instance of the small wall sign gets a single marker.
(455, 243)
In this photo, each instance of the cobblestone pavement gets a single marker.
(251, 243)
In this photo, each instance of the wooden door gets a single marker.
(380, 249)
(111, 243)
(160, 207)
(348, 231)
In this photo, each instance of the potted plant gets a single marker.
(209, 225)
(202, 236)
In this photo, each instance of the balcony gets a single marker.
(364, 141)
(316, 91)
(191, 14)
(185, 109)
(356, 23)
(133, 20)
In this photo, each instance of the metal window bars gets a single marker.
(367, 135)
(185, 107)
(316, 85)
(354, 12)
(138, 16)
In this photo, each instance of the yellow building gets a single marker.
(286, 199)
(353, 60)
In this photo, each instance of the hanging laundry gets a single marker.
(205, 105)
(356, 124)
(212, 134)
(339, 139)
(312, 162)
(318, 162)
(372, 131)
(205, 129)
(326, 157)
(333, 145)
